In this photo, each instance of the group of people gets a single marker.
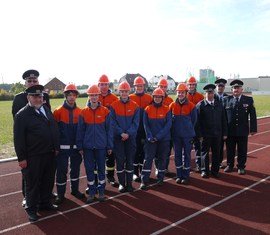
(131, 131)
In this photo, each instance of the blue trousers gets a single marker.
(94, 159)
(62, 161)
(124, 155)
(182, 162)
(157, 150)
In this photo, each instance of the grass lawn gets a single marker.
(262, 104)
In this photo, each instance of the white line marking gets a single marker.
(70, 210)
(258, 144)
(209, 207)
(14, 173)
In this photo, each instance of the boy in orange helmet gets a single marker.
(125, 118)
(195, 97)
(142, 99)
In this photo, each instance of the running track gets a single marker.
(232, 204)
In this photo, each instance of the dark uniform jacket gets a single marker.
(20, 100)
(34, 134)
(238, 115)
(211, 120)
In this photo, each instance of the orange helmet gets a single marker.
(103, 79)
(124, 86)
(138, 81)
(192, 80)
(93, 90)
(158, 92)
(71, 87)
(163, 82)
(182, 87)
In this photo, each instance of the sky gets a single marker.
(78, 41)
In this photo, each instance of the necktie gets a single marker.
(41, 113)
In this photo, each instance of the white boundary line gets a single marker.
(209, 207)
(119, 195)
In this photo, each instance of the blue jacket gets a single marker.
(184, 117)
(157, 122)
(94, 129)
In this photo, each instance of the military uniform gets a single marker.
(220, 97)
(20, 100)
(239, 110)
(36, 140)
(211, 126)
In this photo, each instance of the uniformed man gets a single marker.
(210, 127)
(36, 145)
(67, 116)
(219, 96)
(239, 109)
(20, 100)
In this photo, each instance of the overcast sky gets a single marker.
(77, 41)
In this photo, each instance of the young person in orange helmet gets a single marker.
(163, 84)
(142, 99)
(184, 117)
(67, 118)
(106, 98)
(157, 122)
(95, 141)
(125, 118)
(195, 97)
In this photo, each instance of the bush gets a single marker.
(4, 95)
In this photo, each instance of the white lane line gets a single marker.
(14, 173)
(209, 207)
(258, 144)
(12, 193)
(71, 210)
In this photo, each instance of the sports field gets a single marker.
(262, 104)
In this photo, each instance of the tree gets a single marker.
(17, 88)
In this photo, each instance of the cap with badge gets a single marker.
(236, 83)
(221, 82)
(30, 74)
(209, 88)
(36, 90)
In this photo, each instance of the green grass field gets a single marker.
(262, 104)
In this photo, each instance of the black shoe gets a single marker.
(143, 186)
(101, 197)
(228, 169)
(160, 182)
(32, 216)
(241, 171)
(204, 175)
(184, 181)
(111, 180)
(59, 200)
(87, 191)
(49, 207)
(90, 199)
(136, 178)
(23, 202)
(78, 194)
(197, 169)
(130, 188)
(178, 180)
(121, 188)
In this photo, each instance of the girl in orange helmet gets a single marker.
(157, 122)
